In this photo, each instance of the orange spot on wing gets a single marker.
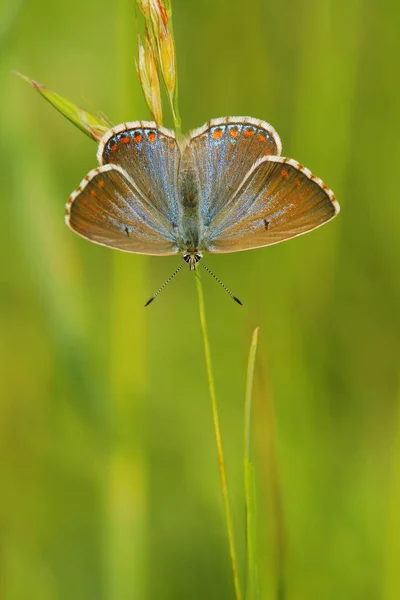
(101, 183)
(217, 134)
(92, 193)
(114, 147)
(137, 137)
(285, 173)
(152, 137)
(125, 139)
(234, 132)
(248, 132)
(262, 137)
(172, 145)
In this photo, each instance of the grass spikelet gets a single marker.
(147, 70)
(158, 17)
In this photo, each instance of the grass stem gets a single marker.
(218, 438)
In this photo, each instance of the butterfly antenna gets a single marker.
(150, 300)
(235, 298)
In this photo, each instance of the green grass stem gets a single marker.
(218, 438)
(249, 484)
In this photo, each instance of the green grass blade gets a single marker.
(94, 126)
(252, 582)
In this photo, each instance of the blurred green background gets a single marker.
(108, 472)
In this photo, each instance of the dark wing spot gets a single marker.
(266, 224)
(127, 231)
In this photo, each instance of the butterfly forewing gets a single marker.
(150, 155)
(278, 199)
(108, 209)
(221, 153)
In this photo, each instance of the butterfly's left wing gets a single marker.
(107, 208)
(278, 199)
(219, 154)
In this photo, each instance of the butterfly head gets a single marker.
(192, 258)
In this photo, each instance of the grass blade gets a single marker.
(249, 484)
(94, 126)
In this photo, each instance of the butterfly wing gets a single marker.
(150, 155)
(221, 153)
(107, 208)
(278, 199)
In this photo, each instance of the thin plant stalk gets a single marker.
(218, 438)
(249, 485)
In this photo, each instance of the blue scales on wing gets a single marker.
(220, 154)
(150, 155)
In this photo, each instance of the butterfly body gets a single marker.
(191, 226)
(224, 188)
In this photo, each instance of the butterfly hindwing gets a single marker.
(278, 199)
(108, 209)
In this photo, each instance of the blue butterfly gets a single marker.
(224, 188)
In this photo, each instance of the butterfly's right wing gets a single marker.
(108, 208)
(278, 199)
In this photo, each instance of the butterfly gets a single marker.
(223, 188)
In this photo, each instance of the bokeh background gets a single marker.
(109, 478)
